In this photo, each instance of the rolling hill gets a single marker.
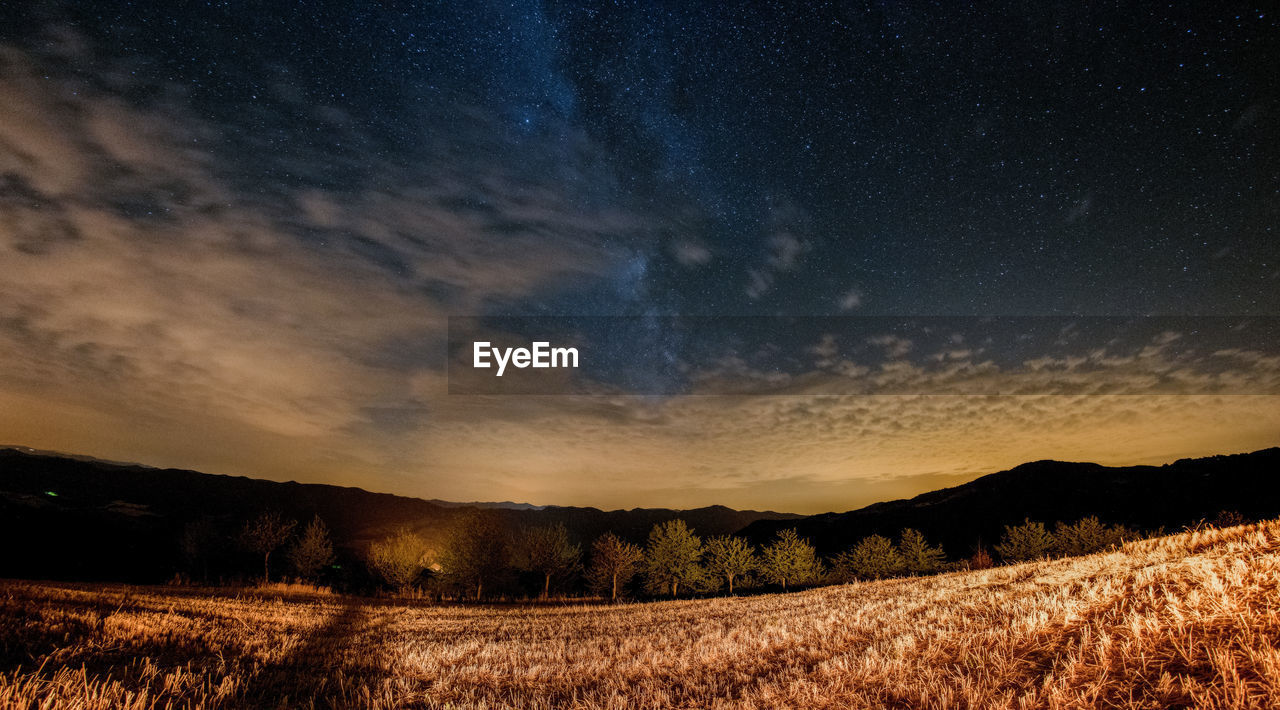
(81, 518)
(1144, 497)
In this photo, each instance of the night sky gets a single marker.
(231, 235)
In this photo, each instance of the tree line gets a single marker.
(483, 557)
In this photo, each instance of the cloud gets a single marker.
(165, 299)
(689, 253)
(786, 245)
(893, 346)
(143, 277)
(850, 300)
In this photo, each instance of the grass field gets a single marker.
(1191, 620)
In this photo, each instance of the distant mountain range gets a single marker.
(83, 518)
(76, 517)
(1145, 497)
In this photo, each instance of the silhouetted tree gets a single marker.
(549, 552)
(613, 564)
(264, 535)
(312, 551)
(728, 558)
(398, 559)
(874, 557)
(197, 545)
(918, 557)
(1027, 541)
(671, 557)
(477, 552)
(1085, 536)
(790, 559)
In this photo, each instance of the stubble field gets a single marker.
(1191, 620)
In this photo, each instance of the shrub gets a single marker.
(1084, 537)
(398, 559)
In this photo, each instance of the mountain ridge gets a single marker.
(973, 514)
(85, 518)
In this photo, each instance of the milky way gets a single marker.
(231, 236)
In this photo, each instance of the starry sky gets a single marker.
(232, 237)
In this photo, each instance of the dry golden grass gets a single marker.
(1191, 620)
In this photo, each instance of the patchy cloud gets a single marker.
(183, 292)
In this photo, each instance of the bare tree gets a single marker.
(477, 553)
(398, 558)
(613, 564)
(549, 552)
(728, 557)
(312, 551)
(264, 535)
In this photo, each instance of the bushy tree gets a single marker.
(477, 553)
(672, 557)
(1085, 536)
(790, 559)
(614, 563)
(312, 551)
(874, 557)
(264, 535)
(918, 557)
(1028, 541)
(549, 552)
(728, 558)
(398, 559)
